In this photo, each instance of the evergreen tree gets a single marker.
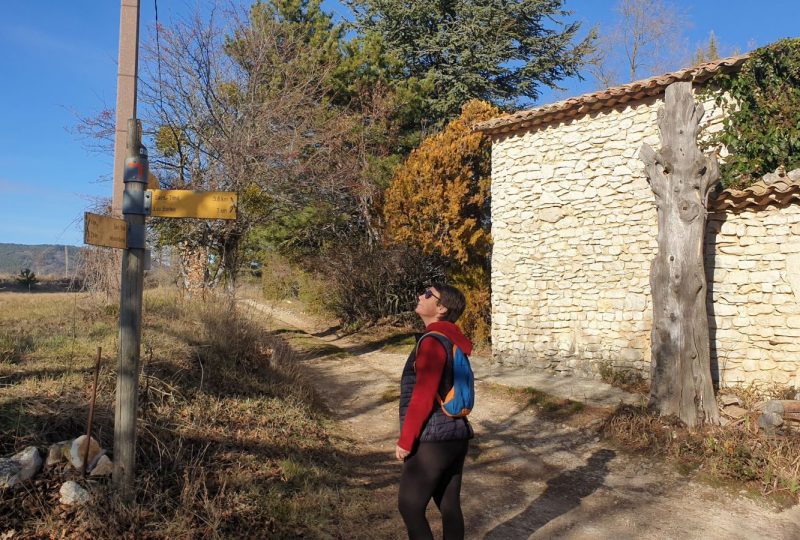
(27, 278)
(499, 51)
(438, 202)
(707, 53)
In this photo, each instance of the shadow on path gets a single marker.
(563, 493)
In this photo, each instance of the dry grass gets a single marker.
(627, 379)
(231, 440)
(737, 454)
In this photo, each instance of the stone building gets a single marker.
(574, 228)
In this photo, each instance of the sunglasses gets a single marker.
(428, 293)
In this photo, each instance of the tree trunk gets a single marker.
(681, 178)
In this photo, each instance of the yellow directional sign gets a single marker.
(105, 231)
(182, 203)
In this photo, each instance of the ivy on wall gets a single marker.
(761, 129)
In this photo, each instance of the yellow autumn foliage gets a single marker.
(438, 199)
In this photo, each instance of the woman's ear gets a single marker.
(441, 311)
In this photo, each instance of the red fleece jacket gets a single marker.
(429, 366)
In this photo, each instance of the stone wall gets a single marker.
(574, 228)
(754, 307)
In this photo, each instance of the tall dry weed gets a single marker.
(738, 453)
(230, 437)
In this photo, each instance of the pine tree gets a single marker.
(707, 53)
(500, 51)
(27, 278)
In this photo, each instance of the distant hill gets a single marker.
(43, 260)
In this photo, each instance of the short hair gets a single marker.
(451, 298)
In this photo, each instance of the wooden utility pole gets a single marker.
(127, 72)
(681, 177)
(130, 315)
(130, 180)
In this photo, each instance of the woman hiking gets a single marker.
(432, 445)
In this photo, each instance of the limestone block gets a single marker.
(58, 453)
(769, 276)
(760, 309)
(548, 198)
(760, 250)
(792, 274)
(738, 277)
(630, 355)
(776, 218)
(750, 365)
(789, 308)
(769, 259)
(786, 332)
(104, 467)
(73, 494)
(780, 377)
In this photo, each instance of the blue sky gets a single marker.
(58, 60)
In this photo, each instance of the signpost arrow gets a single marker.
(182, 203)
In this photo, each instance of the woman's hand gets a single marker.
(400, 454)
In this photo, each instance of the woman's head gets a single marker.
(441, 302)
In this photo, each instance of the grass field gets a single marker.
(231, 441)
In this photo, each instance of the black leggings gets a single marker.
(433, 470)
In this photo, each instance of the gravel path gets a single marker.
(527, 477)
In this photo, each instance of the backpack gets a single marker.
(458, 381)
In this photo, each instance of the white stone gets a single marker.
(73, 494)
(78, 448)
(551, 215)
(19, 467)
(792, 274)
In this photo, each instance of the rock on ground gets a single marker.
(79, 448)
(58, 453)
(73, 494)
(104, 467)
(19, 467)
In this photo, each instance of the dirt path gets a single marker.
(526, 477)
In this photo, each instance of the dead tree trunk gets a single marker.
(681, 177)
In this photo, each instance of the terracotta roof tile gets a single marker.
(778, 188)
(577, 106)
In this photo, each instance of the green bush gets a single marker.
(26, 278)
(283, 280)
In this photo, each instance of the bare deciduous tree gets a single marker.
(240, 101)
(647, 39)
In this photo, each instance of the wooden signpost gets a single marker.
(182, 203)
(139, 201)
(105, 231)
(136, 195)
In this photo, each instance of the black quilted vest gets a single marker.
(439, 426)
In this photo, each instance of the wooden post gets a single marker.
(127, 72)
(681, 177)
(130, 316)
